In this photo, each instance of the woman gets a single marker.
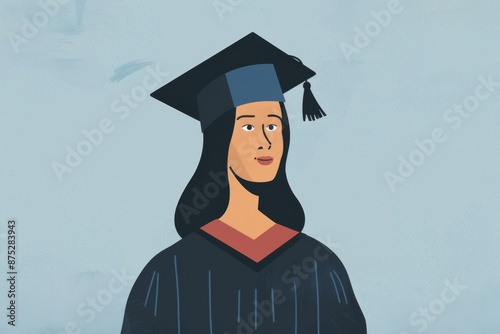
(242, 265)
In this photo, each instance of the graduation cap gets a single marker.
(249, 70)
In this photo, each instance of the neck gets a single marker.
(242, 211)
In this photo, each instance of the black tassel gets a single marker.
(310, 106)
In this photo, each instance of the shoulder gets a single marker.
(141, 308)
(315, 252)
(320, 251)
(328, 267)
(165, 260)
(337, 295)
(167, 255)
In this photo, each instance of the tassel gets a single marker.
(310, 106)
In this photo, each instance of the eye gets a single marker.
(272, 127)
(248, 127)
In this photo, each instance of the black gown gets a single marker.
(200, 285)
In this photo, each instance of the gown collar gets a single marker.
(254, 249)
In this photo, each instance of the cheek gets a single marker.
(234, 160)
(233, 153)
(245, 145)
(278, 141)
(276, 137)
(239, 150)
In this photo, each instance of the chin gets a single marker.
(254, 178)
(261, 180)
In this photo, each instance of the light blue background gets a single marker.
(115, 210)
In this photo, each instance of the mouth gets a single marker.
(265, 160)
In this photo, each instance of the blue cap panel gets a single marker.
(254, 83)
(243, 85)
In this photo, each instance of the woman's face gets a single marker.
(256, 145)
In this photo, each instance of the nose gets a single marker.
(267, 139)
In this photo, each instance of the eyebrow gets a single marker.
(244, 116)
(273, 115)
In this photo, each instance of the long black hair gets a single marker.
(206, 196)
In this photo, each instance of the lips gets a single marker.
(265, 160)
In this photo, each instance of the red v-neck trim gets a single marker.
(255, 249)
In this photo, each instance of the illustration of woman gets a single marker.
(242, 265)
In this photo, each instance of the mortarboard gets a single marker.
(249, 70)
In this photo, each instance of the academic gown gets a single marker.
(218, 281)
